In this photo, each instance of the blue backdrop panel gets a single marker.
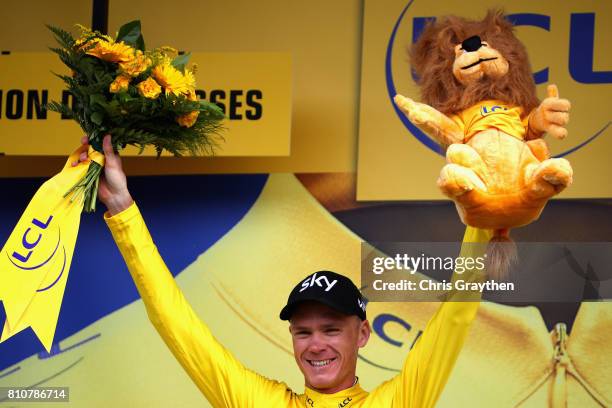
(185, 214)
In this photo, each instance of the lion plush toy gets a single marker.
(480, 104)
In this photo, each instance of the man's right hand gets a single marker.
(112, 191)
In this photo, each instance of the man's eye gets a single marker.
(332, 331)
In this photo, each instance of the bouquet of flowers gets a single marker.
(141, 97)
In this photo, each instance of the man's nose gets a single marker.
(471, 44)
(316, 345)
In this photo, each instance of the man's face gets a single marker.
(325, 345)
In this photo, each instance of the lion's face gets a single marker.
(461, 62)
(475, 59)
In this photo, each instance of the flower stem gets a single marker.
(86, 189)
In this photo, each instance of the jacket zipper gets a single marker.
(562, 367)
(561, 361)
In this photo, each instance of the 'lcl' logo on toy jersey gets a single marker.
(489, 110)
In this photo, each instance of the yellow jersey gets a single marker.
(492, 114)
(225, 382)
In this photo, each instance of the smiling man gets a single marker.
(327, 322)
(328, 326)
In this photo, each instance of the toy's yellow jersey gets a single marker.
(225, 382)
(492, 114)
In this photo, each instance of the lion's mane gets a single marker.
(433, 54)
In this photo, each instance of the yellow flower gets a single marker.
(189, 79)
(111, 51)
(120, 84)
(149, 88)
(170, 78)
(192, 96)
(86, 32)
(89, 37)
(188, 119)
(168, 51)
(137, 65)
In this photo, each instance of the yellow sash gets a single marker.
(36, 258)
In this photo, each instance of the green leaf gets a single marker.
(131, 34)
(64, 38)
(97, 99)
(214, 110)
(64, 110)
(97, 118)
(140, 44)
(124, 97)
(181, 61)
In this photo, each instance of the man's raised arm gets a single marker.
(222, 379)
(430, 362)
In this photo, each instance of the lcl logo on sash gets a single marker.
(34, 241)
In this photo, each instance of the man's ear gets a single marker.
(364, 333)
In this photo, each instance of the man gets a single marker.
(328, 325)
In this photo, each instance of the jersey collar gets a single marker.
(345, 398)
